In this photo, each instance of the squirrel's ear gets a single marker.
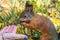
(28, 4)
(29, 7)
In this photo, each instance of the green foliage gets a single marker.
(58, 6)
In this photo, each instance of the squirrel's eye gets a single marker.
(25, 16)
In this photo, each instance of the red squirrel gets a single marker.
(34, 21)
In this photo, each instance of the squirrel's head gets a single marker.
(27, 14)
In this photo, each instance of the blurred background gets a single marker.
(10, 11)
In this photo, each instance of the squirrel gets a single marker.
(31, 20)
